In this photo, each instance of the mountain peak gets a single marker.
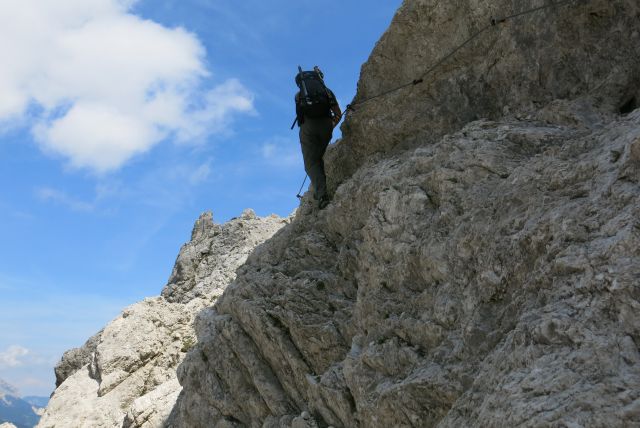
(125, 375)
(7, 389)
(15, 412)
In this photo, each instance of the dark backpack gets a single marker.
(315, 99)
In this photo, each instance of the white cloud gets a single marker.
(230, 96)
(107, 85)
(49, 194)
(282, 152)
(12, 356)
(157, 187)
(200, 174)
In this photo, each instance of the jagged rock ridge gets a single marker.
(125, 376)
(479, 263)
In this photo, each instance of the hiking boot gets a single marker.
(323, 202)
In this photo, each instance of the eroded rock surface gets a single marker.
(76, 358)
(205, 264)
(479, 263)
(125, 376)
(489, 277)
(564, 52)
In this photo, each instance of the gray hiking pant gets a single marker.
(315, 135)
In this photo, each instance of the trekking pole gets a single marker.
(299, 196)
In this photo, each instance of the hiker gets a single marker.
(317, 113)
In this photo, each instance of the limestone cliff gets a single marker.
(480, 260)
(478, 265)
(125, 376)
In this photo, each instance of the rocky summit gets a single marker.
(478, 265)
(125, 375)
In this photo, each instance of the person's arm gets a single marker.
(337, 114)
(335, 109)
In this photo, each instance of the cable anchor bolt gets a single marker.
(496, 21)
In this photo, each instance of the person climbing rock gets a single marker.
(317, 113)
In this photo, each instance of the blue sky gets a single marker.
(120, 122)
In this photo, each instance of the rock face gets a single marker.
(204, 264)
(125, 376)
(479, 263)
(564, 52)
(74, 359)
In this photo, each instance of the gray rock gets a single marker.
(128, 372)
(209, 260)
(479, 281)
(478, 263)
(587, 49)
(76, 358)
